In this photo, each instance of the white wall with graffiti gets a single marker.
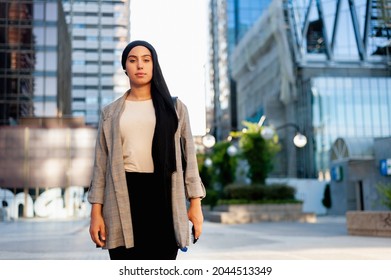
(53, 203)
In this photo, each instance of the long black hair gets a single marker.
(163, 146)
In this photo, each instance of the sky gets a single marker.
(178, 29)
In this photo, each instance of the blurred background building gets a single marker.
(35, 61)
(229, 21)
(99, 31)
(59, 65)
(322, 66)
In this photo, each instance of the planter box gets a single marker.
(369, 223)
(252, 213)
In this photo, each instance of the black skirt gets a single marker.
(151, 212)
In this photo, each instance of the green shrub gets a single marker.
(244, 201)
(247, 192)
(384, 190)
(259, 193)
(280, 192)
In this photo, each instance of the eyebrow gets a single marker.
(144, 55)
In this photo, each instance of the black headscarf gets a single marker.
(163, 145)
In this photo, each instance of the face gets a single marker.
(139, 66)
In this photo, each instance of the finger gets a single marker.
(103, 234)
(95, 237)
(99, 240)
(197, 231)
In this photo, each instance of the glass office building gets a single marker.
(229, 21)
(34, 60)
(241, 15)
(99, 31)
(348, 107)
(351, 94)
(323, 67)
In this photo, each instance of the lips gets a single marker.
(140, 75)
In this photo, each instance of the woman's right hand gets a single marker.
(97, 225)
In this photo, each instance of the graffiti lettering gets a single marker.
(52, 203)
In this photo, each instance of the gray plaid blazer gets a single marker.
(108, 184)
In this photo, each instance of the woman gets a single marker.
(137, 192)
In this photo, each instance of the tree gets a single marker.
(257, 151)
(223, 163)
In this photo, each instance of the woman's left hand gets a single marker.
(195, 216)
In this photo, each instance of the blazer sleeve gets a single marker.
(98, 181)
(193, 184)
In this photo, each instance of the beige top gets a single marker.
(137, 125)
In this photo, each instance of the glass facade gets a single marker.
(230, 20)
(100, 31)
(241, 15)
(334, 59)
(349, 107)
(349, 31)
(17, 54)
(350, 99)
(32, 83)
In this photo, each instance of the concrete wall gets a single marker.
(310, 191)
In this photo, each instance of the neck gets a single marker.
(140, 93)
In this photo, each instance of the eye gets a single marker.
(132, 60)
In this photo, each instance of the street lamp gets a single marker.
(208, 141)
(299, 140)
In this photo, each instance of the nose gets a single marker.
(140, 65)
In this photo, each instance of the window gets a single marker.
(51, 11)
(39, 86)
(39, 36)
(51, 61)
(39, 12)
(51, 36)
(51, 86)
(39, 61)
(92, 100)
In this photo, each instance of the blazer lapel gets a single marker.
(113, 136)
(116, 132)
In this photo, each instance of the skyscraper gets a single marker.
(99, 31)
(35, 60)
(229, 21)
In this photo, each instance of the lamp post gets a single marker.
(299, 140)
(208, 140)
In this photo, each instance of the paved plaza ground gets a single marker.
(327, 239)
